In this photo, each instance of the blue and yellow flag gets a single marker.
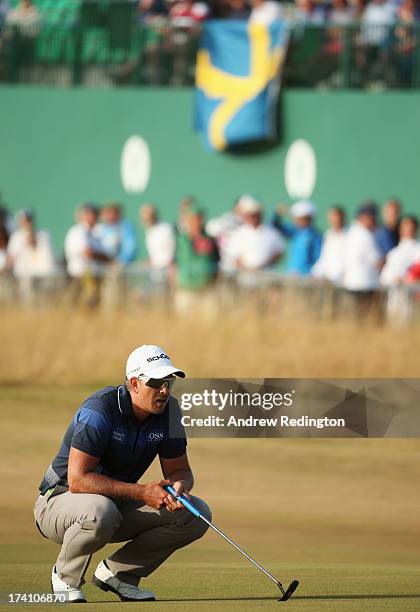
(238, 74)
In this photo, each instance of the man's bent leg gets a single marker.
(154, 535)
(82, 523)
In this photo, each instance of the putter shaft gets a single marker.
(187, 503)
(242, 552)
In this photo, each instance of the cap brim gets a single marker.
(164, 371)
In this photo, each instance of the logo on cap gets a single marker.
(156, 357)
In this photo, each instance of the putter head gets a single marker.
(290, 590)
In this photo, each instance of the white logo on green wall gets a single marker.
(300, 169)
(135, 165)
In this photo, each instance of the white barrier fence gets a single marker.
(268, 290)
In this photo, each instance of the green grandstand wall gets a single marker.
(62, 147)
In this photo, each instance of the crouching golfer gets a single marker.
(90, 496)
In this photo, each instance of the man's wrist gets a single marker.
(138, 490)
(126, 490)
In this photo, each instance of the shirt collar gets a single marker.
(125, 405)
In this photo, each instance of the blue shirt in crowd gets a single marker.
(118, 240)
(386, 239)
(304, 246)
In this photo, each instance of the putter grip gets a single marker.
(184, 501)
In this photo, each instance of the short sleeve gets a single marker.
(93, 429)
(174, 443)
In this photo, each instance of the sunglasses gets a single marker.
(158, 383)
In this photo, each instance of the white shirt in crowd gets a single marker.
(31, 261)
(330, 264)
(376, 20)
(266, 13)
(256, 246)
(222, 229)
(28, 20)
(399, 260)
(362, 258)
(160, 244)
(79, 238)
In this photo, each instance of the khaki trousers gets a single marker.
(83, 523)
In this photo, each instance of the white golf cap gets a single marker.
(248, 205)
(302, 209)
(152, 361)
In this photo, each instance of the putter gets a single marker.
(286, 594)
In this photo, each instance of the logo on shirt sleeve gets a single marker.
(118, 435)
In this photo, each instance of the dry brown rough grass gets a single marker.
(65, 346)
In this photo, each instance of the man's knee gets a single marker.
(202, 507)
(102, 519)
(197, 526)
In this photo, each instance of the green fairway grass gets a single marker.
(342, 516)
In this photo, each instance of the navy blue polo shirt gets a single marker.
(105, 427)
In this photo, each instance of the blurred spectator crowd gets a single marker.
(29, 14)
(384, 38)
(377, 250)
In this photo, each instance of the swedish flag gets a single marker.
(238, 74)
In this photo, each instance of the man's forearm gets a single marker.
(152, 493)
(103, 485)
